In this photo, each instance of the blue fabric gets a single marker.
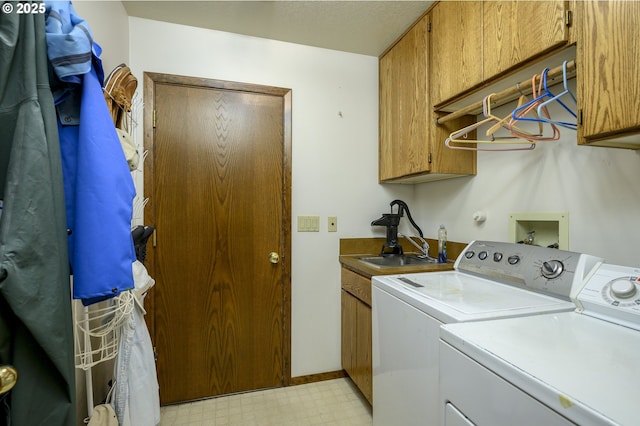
(99, 190)
(69, 41)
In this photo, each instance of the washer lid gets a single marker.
(453, 296)
(582, 367)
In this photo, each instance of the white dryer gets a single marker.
(567, 368)
(491, 280)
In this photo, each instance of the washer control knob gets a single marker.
(552, 269)
(497, 257)
(513, 260)
(623, 288)
(469, 254)
(483, 255)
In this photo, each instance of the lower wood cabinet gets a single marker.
(356, 331)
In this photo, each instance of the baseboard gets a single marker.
(312, 378)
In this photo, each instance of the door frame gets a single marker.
(150, 79)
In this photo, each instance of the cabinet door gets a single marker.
(608, 57)
(516, 31)
(349, 332)
(363, 351)
(356, 343)
(456, 48)
(404, 142)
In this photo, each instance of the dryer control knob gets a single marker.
(623, 288)
(552, 269)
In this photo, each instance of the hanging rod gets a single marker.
(522, 88)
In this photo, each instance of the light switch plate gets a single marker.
(308, 223)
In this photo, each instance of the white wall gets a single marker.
(334, 157)
(599, 187)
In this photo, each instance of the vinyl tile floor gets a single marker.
(331, 402)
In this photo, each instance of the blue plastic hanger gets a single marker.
(542, 98)
(556, 98)
(520, 112)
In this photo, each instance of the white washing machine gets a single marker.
(491, 280)
(570, 368)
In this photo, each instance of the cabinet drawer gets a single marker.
(357, 285)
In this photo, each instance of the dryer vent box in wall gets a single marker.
(543, 229)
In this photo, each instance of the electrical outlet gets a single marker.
(332, 225)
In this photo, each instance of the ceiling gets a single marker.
(363, 27)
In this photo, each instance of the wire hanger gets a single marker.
(456, 136)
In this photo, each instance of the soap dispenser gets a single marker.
(442, 244)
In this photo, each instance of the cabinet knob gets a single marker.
(274, 257)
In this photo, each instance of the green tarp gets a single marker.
(36, 330)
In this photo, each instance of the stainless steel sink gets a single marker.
(396, 260)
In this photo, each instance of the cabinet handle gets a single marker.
(568, 18)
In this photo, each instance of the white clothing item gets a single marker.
(142, 282)
(130, 149)
(136, 391)
(103, 415)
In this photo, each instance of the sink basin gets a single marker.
(396, 260)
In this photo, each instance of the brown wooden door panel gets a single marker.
(218, 198)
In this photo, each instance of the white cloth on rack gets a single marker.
(103, 415)
(136, 392)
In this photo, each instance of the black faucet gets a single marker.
(391, 221)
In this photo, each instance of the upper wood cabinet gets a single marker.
(403, 106)
(474, 42)
(517, 31)
(411, 146)
(608, 91)
(456, 48)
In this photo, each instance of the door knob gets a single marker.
(274, 257)
(8, 378)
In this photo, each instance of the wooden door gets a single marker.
(218, 181)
